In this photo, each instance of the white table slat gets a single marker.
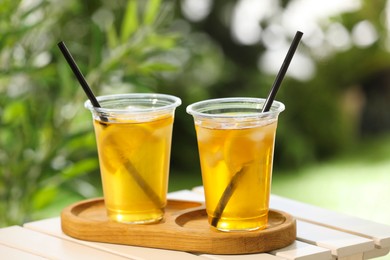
(298, 250)
(303, 251)
(351, 257)
(199, 190)
(52, 227)
(10, 253)
(378, 232)
(321, 234)
(49, 247)
(240, 257)
(187, 195)
(340, 243)
(377, 252)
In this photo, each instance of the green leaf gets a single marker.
(44, 197)
(151, 11)
(112, 37)
(79, 141)
(13, 112)
(156, 67)
(80, 168)
(96, 46)
(130, 21)
(165, 43)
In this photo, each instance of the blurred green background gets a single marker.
(333, 141)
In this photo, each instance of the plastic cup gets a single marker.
(133, 136)
(236, 148)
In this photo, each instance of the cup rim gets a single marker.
(196, 110)
(171, 102)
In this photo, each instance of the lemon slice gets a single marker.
(240, 148)
(138, 152)
(119, 141)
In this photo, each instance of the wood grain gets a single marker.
(184, 227)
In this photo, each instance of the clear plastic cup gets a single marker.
(133, 136)
(236, 148)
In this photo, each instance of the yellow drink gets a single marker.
(236, 147)
(133, 135)
(227, 152)
(127, 149)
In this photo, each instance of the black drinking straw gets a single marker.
(282, 72)
(128, 165)
(78, 74)
(228, 192)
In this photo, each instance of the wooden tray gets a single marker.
(183, 228)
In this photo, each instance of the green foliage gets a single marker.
(47, 144)
(318, 122)
(35, 114)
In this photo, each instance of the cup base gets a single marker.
(241, 225)
(135, 218)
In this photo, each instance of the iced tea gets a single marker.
(132, 157)
(236, 148)
(133, 135)
(246, 153)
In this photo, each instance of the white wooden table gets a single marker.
(321, 234)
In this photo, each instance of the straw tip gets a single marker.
(299, 34)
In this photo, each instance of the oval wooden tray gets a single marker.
(183, 228)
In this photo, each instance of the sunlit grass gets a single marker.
(357, 183)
